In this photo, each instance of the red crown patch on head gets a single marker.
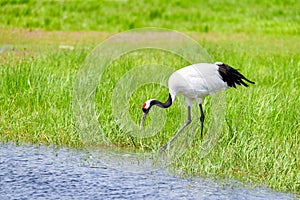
(144, 105)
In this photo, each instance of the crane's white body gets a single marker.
(196, 82)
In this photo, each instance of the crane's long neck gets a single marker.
(167, 104)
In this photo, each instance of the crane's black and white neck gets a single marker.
(195, 82)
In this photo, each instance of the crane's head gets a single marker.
(146, 108)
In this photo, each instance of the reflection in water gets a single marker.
(28, 172)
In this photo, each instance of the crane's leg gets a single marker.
(201, 119)
(189, 120)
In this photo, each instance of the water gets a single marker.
(28, 172)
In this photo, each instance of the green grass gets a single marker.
(260, 140)
(36, 98)
(230, 16)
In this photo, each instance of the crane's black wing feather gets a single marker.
(232, 76)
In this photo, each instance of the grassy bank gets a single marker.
(260, 139)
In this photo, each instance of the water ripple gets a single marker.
(28, 172)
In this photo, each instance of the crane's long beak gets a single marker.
(143, 120)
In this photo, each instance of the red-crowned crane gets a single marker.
(195, 82)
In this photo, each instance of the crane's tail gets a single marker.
(231, 76)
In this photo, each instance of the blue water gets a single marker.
(28, 172)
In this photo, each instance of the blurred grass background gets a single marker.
(228, 16)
